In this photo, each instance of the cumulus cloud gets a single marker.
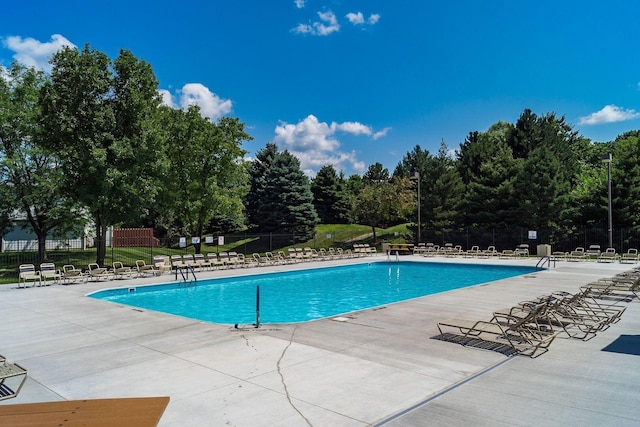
(34, 53)
(316, 144)
(328, 24)
(211, 105)
(358, 18)
(609, 114)
(300, 3)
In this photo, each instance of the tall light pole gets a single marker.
(416, 176)
(608, 158)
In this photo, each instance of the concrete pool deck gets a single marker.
(379, 367)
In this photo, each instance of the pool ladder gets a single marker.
(184, 273)
(546, 260)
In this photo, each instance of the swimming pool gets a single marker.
(303, 295)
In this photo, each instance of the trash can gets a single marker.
(543, 250)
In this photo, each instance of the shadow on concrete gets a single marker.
(627, 344)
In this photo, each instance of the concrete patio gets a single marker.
(379, 367)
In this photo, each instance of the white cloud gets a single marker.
(34, 53)
(315, 143)
(211, 105)
(356, 18)
(328, 24)
(609, 114)
(300, 3)
(381, 133)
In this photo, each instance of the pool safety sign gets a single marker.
(183, 242)
(533, 234)
(220, 240)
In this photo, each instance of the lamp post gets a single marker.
(416, 176)
(608, 158)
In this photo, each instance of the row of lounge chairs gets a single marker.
(449, 250)
(529, 327)
(12, 378)
(609, 255)
(225, 260)
(49, 273)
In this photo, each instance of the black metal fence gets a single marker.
(81, 253)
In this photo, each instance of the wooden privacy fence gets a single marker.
(134, 237)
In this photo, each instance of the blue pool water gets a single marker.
(304, 295)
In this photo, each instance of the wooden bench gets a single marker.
(125, 412)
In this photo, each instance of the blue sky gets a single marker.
(351, 83)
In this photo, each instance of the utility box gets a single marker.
(543, 250)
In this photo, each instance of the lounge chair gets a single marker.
(473, 252)
(522, 250)
(593, 252)
(162, 263)
(630, 256)
(521, 335)
(120, 271)
(608, 256)
(146, 269)
(26, 273)
(615, 288)
(200, 262)
(214, 260)
(564, 312)
(12, 378)
(578, 254)
(98, 273)
(177, 262)
(48, 271)
(234, 260)
(507, 253)
(71, 274)
(489, 252)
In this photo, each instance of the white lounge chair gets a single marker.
(48, 271)
(26, 273)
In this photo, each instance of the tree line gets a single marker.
(92, 143)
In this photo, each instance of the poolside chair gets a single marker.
(145, 269)
(98, 273)
(177, 262)
(12, 378)
(522, 250)
(489, 252)
(473, 252)
(507, 253)
(224, 258)
(26, 273)
(71, 274)
(562, 312)
(162, 263)
(613, 288)
(200, 262)
(214, 260)
(593, 251)
(630, 256)
(578, 254)
(608, 255)
(120, 271)
(274, 259)
(189, 260)
(521, 335)
(48, 271)
(233, 260)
